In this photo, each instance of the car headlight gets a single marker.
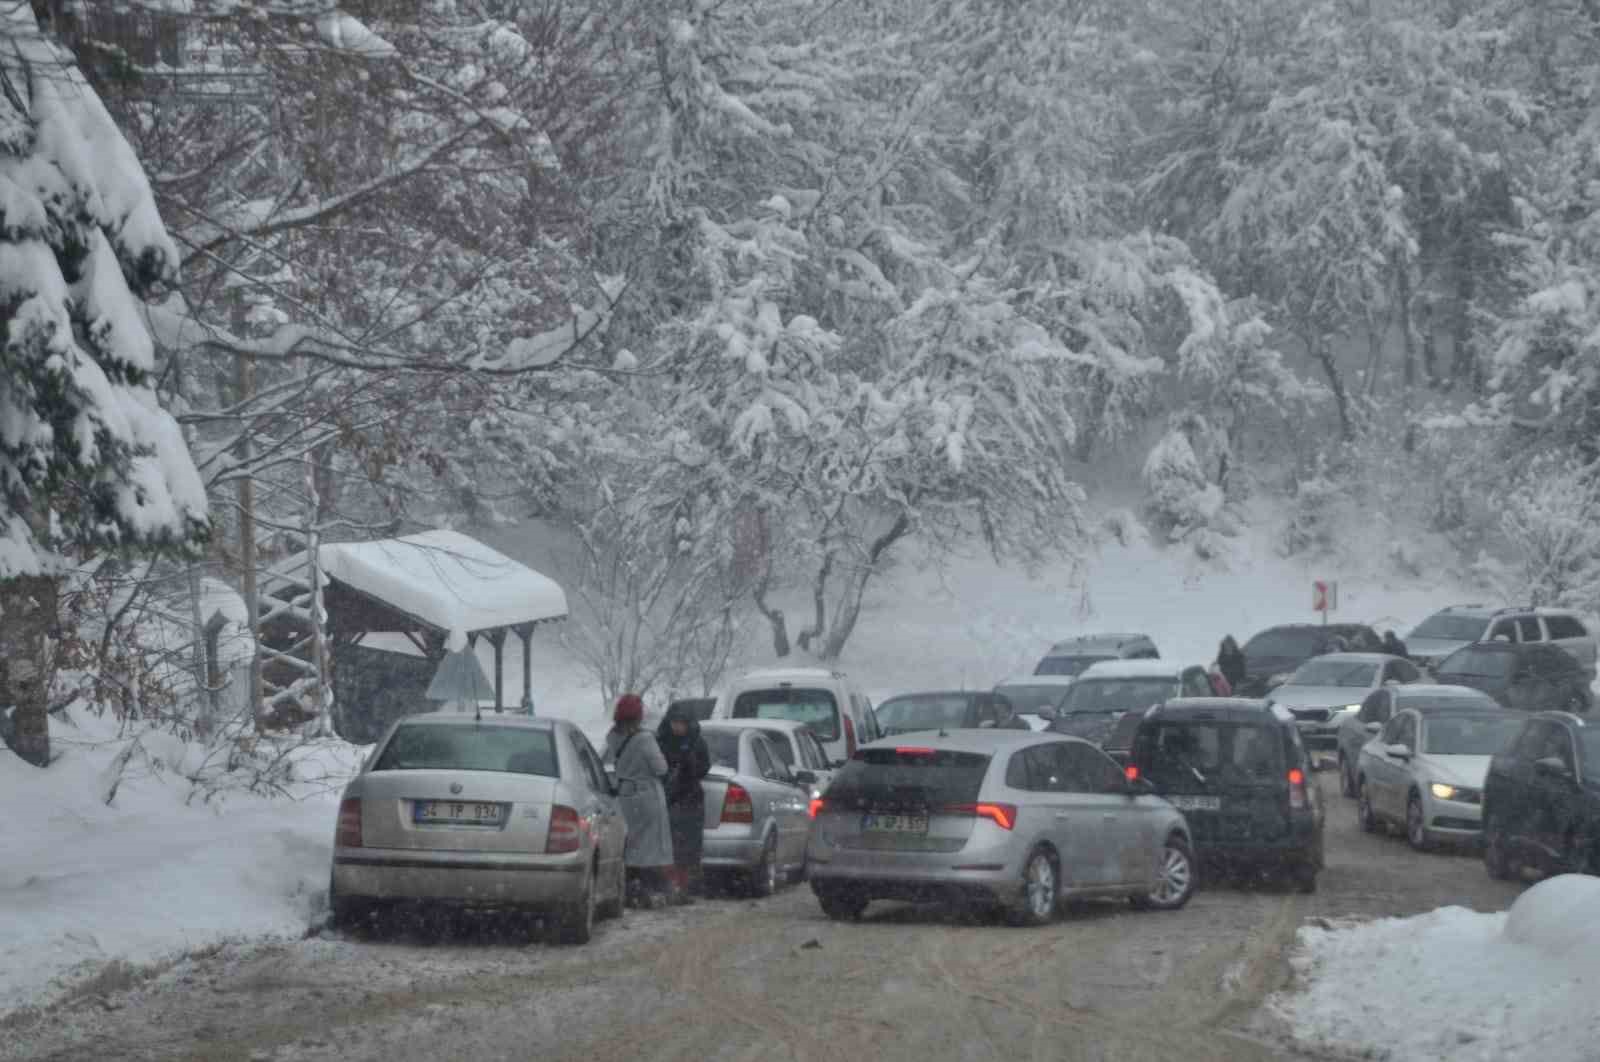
(1459, 793)
(1351, 708)
(1442, 791)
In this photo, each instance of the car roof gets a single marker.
(1433, 711)
(779, 675)
(755, 724)
(1425, 691)
(965, 740)
(455, 718)
(1043, 680)
(1116, 669)
(1480, 611)
(1100, 641)
(1226, 709)
(933, 693)
(1356, 658)
(1331, 628)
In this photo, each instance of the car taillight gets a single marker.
(1297, 789)
(348, 835)
(736, 806)
(1002, 815)
(566, 831)
(1131, 772)
(849, 738)
(814, 809)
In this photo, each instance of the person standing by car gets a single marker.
(641, 769)
(688, 761)
(1393, 645)
(1231, 662)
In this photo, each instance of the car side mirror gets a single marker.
(1552, 766)
(1048, 714)
(1399, 752)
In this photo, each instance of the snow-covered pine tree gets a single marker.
(88, 458)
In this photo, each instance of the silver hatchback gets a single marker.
(502, 811)
(1010, 819)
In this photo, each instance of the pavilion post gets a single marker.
(497, 638)
(525, 632)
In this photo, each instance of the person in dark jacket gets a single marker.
(1393, 645)
(688, 761)
(1231, 662)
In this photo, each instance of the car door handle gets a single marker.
(1063, 814)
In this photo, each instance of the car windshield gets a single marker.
(937, 776)
(1449, 628)
(1067, 665)
(899, 715)
(1485, 663)
(1118, 694)
(1470, 735)
(458, 747)
(1028, 700)
(1180, 754)
(1284, 642)
(1325, 672)
(815, 708)
(723, 745)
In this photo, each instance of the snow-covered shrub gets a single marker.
(1551, 521)
(1123, 527)
(1179, 496)
(1312, 510)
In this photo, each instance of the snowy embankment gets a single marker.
(149, 876)
(1456, 984)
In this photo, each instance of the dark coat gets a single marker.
(1393, 645)
(1231, 662)
(688, 761)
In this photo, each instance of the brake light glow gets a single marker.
(348, 835)
(1002, 815)
(566, 830)
(1297, 789)
(1131, 772)
(1296, 776)
(736, 806)
(815, 807)
(849, 738)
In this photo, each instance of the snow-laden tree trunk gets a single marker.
(28, 606)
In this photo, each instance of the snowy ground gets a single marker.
(1457, 984)
(151, 874)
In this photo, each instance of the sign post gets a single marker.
(1324, 598)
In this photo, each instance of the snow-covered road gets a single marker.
(774, 980)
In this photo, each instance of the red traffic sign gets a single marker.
(1324, 596)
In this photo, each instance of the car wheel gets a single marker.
(613, 908)
(1177, 878)
(799, 873)
(1347, 780)
(1416, 825)
(764, 878)
(1364, 813)
(1496, 855)
(575, 921)
(1040, 890)
(841, 905)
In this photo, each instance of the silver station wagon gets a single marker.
(1007, 819)
(497, 811)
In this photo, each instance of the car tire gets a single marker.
(1364, 813)
(801, 872)
(1179, 877)
(763, 880)
(613, 908)
(840, 905)
(1417, 825)
(1041, 890)
(1347, 780)
(574, 923)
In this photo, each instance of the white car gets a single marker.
(1452, 628)
(1425, 771)
(795, 745)
(1326, 688)
(1036, 698)
(828, 702)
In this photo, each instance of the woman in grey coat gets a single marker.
(640, 770)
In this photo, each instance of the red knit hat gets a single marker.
(630, 709)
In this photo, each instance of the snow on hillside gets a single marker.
(1456, 984)
(150, 874)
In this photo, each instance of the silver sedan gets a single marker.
(506, 811)
(756, 809)
(1004, 818)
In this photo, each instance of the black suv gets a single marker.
(1530, 677)
(1541, 800)
(1277, 651)
(1240, 775)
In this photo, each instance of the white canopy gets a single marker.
(446, 579)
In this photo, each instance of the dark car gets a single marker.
(1276, 652)
(1541, 800)
(947, 710)
(1529, 677)
(1240, 775)
(698, 707)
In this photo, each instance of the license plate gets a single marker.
(1196, 803)
(874, 822)
(457, 813)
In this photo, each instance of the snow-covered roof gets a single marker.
(446, 579)
(1124, 669)
(1039, 680)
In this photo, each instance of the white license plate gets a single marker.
(875, 823)
(457, 813)
(1196, 803)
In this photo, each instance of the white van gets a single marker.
(837, 712)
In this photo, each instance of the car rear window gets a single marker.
(815, 708)
(1067, 665)
(1292, 643)
(1565, 627)
(723, 747)
(778, 741)
(902, 714)
(454, 747)
(1483, 662)
(1118, 695)
(1449, 628)
(1179, 754)
(938, 776)
(1476, 735)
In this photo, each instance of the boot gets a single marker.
(679, 876)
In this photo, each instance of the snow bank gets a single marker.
(1456, 984)
(148, 877)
